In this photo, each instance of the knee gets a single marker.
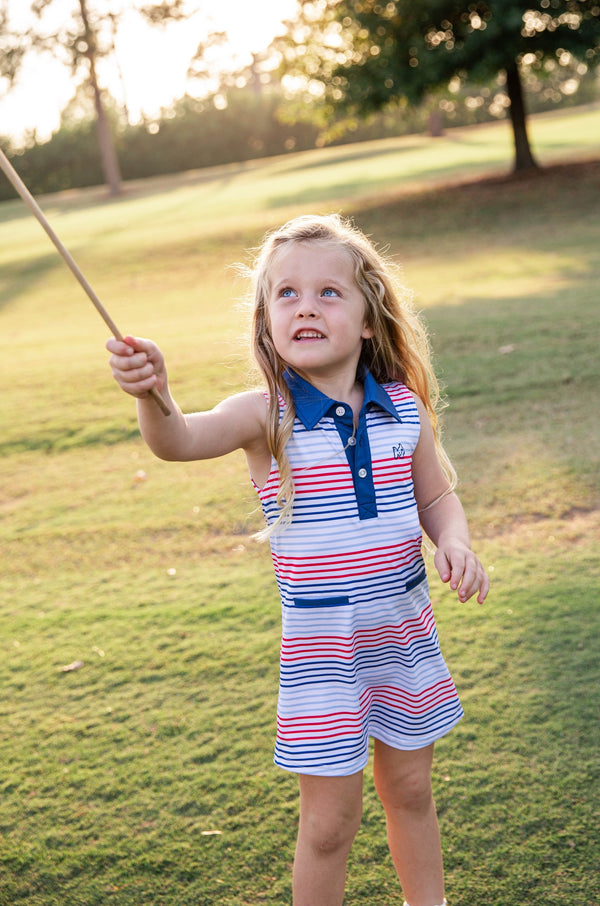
(407, 792)
(330, 833)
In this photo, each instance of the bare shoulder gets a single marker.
(425, 458)
(418, 402)
(239, 421)
(249, 401)
(423, 413)
(248, 412)
(428, 476)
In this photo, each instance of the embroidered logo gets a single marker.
(399, 451)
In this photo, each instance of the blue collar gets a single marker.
(311, 405)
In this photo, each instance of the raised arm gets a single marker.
(443, 519)
(237, 422)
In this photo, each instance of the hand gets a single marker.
(137, 365)
(457, 564)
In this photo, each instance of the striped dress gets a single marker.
(360, 655)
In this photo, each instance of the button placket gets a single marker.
(358, 456)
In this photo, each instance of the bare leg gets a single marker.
(403, 781)
(330, 813)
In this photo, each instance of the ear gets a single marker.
(367, 332)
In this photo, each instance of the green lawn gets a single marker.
(146, 776)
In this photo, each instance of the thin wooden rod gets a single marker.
(18, 184)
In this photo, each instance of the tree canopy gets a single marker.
(80, 41)
(358, 56)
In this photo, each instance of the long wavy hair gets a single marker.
(397, 351)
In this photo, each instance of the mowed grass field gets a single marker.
(146, 776)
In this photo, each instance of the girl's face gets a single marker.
(316, 311)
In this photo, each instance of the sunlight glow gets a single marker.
(150, 68)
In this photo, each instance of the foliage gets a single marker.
(362, 55)
(193, 133)
(249, 114)
(11, 51)
(245, 125)
(80, 41)
(71, 42)
(197, 133)
(164, 12)
(549, 87)
(145, 776)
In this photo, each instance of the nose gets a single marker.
(306, 307)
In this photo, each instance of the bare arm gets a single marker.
(443, 519)
(237, 422)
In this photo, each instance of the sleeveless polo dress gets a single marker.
(360, 655)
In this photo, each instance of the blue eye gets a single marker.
(287, 292)
(329, 292)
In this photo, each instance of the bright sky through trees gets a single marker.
(153, 62)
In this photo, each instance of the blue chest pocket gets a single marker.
(340, 601)
(416, 580)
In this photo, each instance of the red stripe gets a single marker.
(319, 724)
(360, 641)
(314, 571)
(371, 553)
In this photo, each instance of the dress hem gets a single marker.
(360, 764)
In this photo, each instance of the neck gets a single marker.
(344, 388)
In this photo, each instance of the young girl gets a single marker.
(343, 450)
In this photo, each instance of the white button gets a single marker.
(351, 441)
(340, 410)
(362, 473)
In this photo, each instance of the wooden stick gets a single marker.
(18, 184)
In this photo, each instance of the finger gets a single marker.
(139, 387)
(476, 581)
(124, 356)
(470, 578)
(458, 572)
(137, 361)
(118, 346)
(138, 344)
(139, 372)
(483, 589)
(143, 387)
(126, 369)
(442, 564)
(130, 377)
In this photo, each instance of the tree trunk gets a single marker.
(435, 124)
(524, 159)
(108, 155)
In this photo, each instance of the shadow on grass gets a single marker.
(498, 203)
(364, 151)
(516, 779)
(17, 279)
(63, 438)
(97, 196)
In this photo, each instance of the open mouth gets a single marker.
(308, 335)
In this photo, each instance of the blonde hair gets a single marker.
(397, 351)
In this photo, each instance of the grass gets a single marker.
(146, 775)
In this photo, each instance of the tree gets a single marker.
(11, 52)
(80, 42)
(358, 56)
(89, 48)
